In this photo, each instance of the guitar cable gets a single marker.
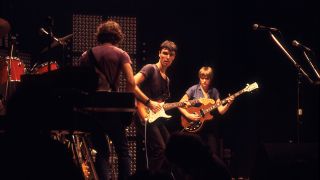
(145, 142)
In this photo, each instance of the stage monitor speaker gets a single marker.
(286, 161)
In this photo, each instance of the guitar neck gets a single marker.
(168, 106)
(224, 101)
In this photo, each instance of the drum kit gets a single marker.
(12, 68)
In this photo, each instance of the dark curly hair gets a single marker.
(109, 32)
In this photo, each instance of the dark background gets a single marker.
(218, 34)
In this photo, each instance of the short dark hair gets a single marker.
(170, 45)
(109, 31)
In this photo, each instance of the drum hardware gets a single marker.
(57, 41)
(39, 68)
(43, 68)
(52, 42)
(11, 69)
(49, 23)
(83, 154)
(87, 164)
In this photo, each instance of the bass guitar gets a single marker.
(204, 110)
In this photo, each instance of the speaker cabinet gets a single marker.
(286, 161)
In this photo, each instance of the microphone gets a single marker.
(261, 27)
(43, 31)
(299, 45)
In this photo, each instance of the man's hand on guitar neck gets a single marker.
(230, 100)
(188, 103)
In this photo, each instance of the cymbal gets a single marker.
(66, 38)
(58, 41)
(4, 27)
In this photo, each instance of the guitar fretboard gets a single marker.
(168, 106)
(222, 102)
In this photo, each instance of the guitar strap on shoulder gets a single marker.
(94, 62)
(167, 94)
(205, 94)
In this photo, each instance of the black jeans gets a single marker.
(115, 130)
(157, 136)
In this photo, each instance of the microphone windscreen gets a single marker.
(295, 43)
(255, 26)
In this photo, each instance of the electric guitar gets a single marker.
(146, 114)
(204, 110)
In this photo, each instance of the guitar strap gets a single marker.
(205, 95)
(166, 94)
(94, 62)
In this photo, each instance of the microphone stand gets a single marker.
(51, 38)
(63, 58)
(8, 84)
(310, 63)
(300, 73)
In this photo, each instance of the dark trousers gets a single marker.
(116, 132)
(157, 136)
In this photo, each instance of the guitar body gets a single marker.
(142, 111)
(194, 126)
(145, 114)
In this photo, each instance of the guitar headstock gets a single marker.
(206, 101)
(251, 87)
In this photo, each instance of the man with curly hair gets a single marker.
(109, 60)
